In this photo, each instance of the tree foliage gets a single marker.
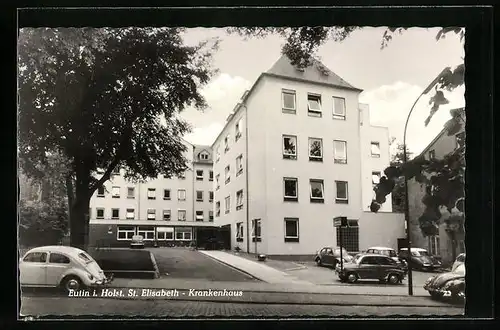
(105, 98)
(302, 43)
(398, 193)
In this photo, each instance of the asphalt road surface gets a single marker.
(63, 307)
(189, 264)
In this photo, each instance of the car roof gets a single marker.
(380, 248)
(372, 255)
(414, 249)
(57, 248)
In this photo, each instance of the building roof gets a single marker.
(197, 149)
(443, 131)
(316, 72)
(283, 68)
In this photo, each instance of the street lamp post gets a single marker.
(407, 207)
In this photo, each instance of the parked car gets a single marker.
(328, 256)
(371, 267)
(60, 266)
(420, 259)
(449, 285)
(459, 261)
(391, 253)
(137, 242)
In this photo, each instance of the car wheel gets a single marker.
(352, 277)
(318, 262)
(71, 283)
(393, 278)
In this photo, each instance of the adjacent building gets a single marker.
(297, 151)
(165, 211)
(439, 245)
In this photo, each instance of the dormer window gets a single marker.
(203, 156)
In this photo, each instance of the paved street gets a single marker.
(188, 264)
(91, 307)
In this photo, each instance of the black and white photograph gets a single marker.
(238, 172)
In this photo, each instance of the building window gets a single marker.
(99, 213)
(432, 154)
(217, 182)
(227, 204)
(375, 178)
(217, 154)
(210, 196)
(181, 215)
(151, 193)
(211, 216)
(115, 213)
(199, 196)
(226, 143)
(100, 191)
(340, 152)
(165, 233)
(291, 230)
(256, 230)
(317, 191)
(183, 234)
(288, 98)
(315, 149)
(203, 156)
(238, 129)
(199, 175)
(147, 232)
(166, 194)
(124, 233)
(342, 196)
(199, 215)
(211, 176)
(151, 214)
(375, 149)
(239, 165)
(460, 139)
(130, 192)
(227, 174)
(167, 215)
(239, 232)
(130, 214)
(116, 192)
(350, 236)
(290, 186)
(217, 209)
(239, 199)
(338, 108)
(289, 147)
(314, 105)
(181, 194)
(434, 248)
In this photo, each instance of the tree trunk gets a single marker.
(453, 246)
(79, 223)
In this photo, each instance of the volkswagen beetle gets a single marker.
(448, 285)
(60, 266)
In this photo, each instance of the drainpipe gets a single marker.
(246, 179)
(193, 198)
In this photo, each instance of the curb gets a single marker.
(155, 265)
(233, 267)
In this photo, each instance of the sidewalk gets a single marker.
(254, 268)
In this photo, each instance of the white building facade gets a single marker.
(295, 153)
(165, 211)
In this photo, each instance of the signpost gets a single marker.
(341, 223)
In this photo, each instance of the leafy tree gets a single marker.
(398, 193)
(107, 98)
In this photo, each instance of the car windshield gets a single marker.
(85, 258)
(357, 258)
(423, 253)
(389, 253)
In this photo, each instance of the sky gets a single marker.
(391, 78)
